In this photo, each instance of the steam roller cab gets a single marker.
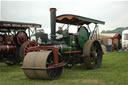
(13, 37)
(67, 50)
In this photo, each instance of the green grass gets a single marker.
(114, 71)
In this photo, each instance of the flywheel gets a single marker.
(21, 37)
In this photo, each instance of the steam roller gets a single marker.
(37, 64)
(64, 50)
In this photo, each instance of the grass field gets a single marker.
(114, 71)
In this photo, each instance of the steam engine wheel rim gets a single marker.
(55, 72)
(28, 45)
(93, 54)
(24, 48)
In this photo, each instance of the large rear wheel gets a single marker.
(93, 54)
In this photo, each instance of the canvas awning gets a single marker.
(18, 25)
(109, 35)
(76, 20)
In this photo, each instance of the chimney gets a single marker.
(53, 23)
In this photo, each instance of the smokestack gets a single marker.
(53, 23)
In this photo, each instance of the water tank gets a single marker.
(125, 39)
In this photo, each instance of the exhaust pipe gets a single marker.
(53, 23)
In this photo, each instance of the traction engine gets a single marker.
(13, 37)
(47, 61)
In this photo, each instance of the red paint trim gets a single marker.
(56, 65)
(116, 35)
(54, 49)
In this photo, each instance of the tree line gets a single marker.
(117, 30)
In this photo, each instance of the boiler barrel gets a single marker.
(7, 49)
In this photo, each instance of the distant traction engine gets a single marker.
(13, 39)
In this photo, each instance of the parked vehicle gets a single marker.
(14, 36)
(125, 39)
(69, 49)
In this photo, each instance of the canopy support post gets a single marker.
(95, 32)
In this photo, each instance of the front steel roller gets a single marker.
(35, 66)
(93, 54)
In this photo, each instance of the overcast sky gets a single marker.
(114, 13)
(0, 9)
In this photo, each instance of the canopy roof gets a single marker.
(76, 20)
(109, 35)
(10, 24)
